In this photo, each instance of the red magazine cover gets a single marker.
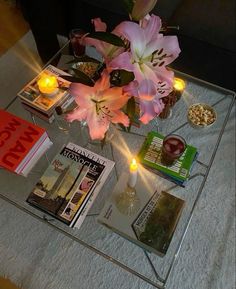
(17, 138)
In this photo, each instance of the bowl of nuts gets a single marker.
(88, 68)
(201, 115)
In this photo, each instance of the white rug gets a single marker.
(35, 256)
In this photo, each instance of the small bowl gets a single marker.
(88, 68)
(201, 115)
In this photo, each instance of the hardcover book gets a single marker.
(150, 157)
(67, 184)
(31, 96)
(22, 143)
(152, 226)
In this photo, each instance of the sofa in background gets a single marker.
(206, 30)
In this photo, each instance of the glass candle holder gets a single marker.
(127, 202)
(179, 86)
(48, 85)
(169, 101)
(77, 46)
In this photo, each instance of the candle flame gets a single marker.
(47, 83)
(133, 165)
(179, 84)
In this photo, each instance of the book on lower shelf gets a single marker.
(153, 225)
(22, 143)
(65, 188)
(150, 156)
(40, 104)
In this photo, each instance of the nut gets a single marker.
(89, 68)
(201, 115)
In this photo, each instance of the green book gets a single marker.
(150, 157)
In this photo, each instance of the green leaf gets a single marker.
(128, 5)
(122, 127)
(121, 77)
(131, 107)
(131, 111)
(79, 77)
(107, 37)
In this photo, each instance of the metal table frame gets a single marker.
(160, 281)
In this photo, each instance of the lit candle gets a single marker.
(179, 86)
(133, 173)
(48, 85)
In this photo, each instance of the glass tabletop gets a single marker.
(148, 266)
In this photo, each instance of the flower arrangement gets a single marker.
(133, 72)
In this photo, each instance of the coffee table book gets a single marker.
(67, 184)
(152, 226)
(150, 157)
(39, 104)
(22, 143)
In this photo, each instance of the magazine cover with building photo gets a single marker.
(77, 198)
(65, 185)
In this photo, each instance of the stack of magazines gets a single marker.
(70, 184)
(23, 143)
(41, 105)
(150, 157)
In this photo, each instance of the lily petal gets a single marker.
(120, 117)
(147, 90)
(97, 126)
(114, 98)
(147, 111)
(77, 114)
(103, 82)
(152, 26)
(99, 24)
(122, 61)
(135, 34)
(80, 93)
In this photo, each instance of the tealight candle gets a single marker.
(179, 86)
(133, 173)
(48, 85)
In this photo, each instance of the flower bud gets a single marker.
(141, 8)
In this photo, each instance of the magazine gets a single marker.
(152, 226)
(150, 157)
(44, 116)
(66, 185)
(31, 95)
(109, 164)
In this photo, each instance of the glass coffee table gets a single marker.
(154, 270)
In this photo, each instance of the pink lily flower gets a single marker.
(149, 52)
(149, 99)
(107, 50)
(98, 105)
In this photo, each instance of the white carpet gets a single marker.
(37, 257)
